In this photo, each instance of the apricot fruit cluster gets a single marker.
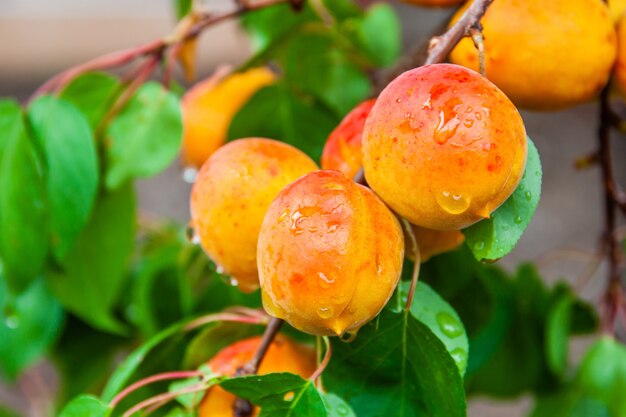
(283, 355)
(441, 146)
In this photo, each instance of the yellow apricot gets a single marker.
(283, 355)
(617, 8)
(432, 242)
(544, 55)
(443, 147)
(208, 108)
(231, 194)
(330, 254)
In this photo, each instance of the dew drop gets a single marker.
(478, 116)
(453, 203)
(518, 219)
(427, 104)
(468, 123)
(469, 109)
(528, 195)
(190, 174)
(284, 215)
(219, 269)
(289, 396)
(480, 245)
(233, 282)
(332, 227)
(399, 100)
(446, 128)
(325, 312)
(324, 281)
(348, 337)
(449, 325)
(296, 218)
(460, 357)
(342, 410)
(521, 186)
(12, 322)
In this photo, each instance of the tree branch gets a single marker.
(440, 46)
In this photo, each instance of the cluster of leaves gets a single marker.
(82, 281)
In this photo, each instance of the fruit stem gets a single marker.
(151, 379)
(417, 262)
(243, 408)
(479, 42)
(324, 363)
(440, 46)
(613, 196)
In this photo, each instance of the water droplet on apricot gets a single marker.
(446, 128)
(219, 269)
(332, 227)
(427, 104)
(325, 281)
(468, 123)
(453, 203)
(399, 100)
(296, 218)
(234, 282)
(449, 325)
(325, 312)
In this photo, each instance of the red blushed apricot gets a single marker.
(342, 151)
(330, 254)
(283, 355)
(231, 194)
(443, 147)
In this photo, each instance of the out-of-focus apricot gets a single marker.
(208, 108)
(617, 8)
(443, 147)
(435, 3)
(342, 151)
(229, 199)
(619, 71)
(283, 355)
(330, 254)
(544, 55)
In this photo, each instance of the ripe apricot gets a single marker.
(330, 254)
(231, 194)
(544, 55)
(443, 147)
(208, 108)
(342, 151)
(619, 70)
(434, 3)
(617, 7)
(283, 355)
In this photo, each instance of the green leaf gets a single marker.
(65, 138)
(493, 238)
(29, 324)
(378, 34)
(85, 406)
(557, 333)
(433, 311)
(325, 72)
(129, 366)
(182, 8)
(93, 94)
(181, 412)
(570, 401)
(337, 407)
(145, 136)
(23, 211)
(602, 374)
(279, 394)
(396, 367)
(95, 269)
(268, 25)
(4, 412)
(279, 113)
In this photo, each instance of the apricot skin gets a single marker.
(283, 355)
(330, 254)
(342, 151)
(208, 108)
(231, 194)
(443, 147)
(619, 70)
(544, 55)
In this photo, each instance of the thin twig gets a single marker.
(440, 46)
(416, 265)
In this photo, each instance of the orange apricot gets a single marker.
(433, 242)
(208, 108)
(231, 194)
(617, 8)
(283, 355)
(619, 71)
(330, 254)
(544, 55)
(443, 147)
(342, 151)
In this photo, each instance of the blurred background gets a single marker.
(41, 37)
